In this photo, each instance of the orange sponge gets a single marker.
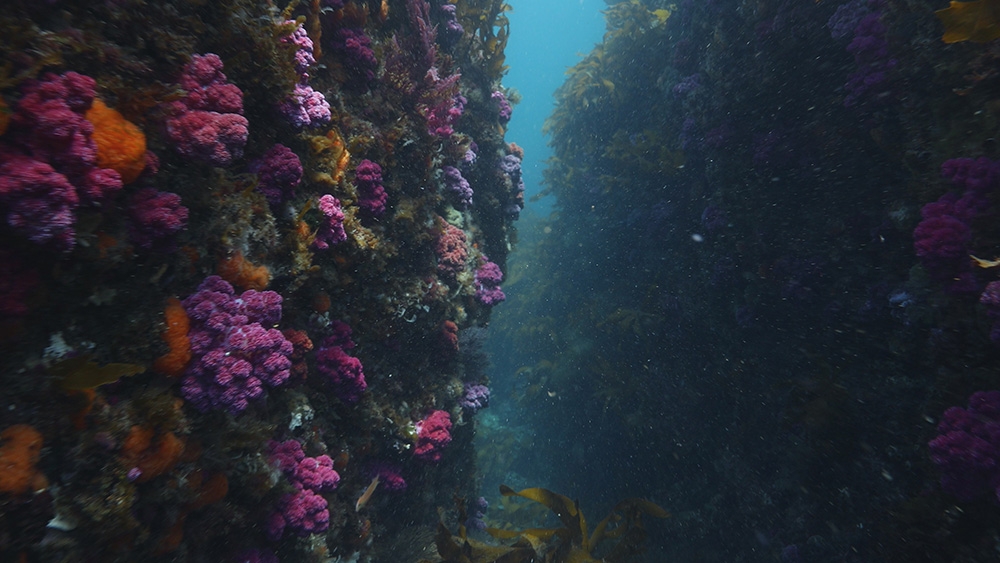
(244, 274)
(121, 145)
(151, 459)
(21, 447)
(176, 336)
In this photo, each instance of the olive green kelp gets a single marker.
(567, 544)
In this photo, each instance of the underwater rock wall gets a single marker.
(240, 243)
(766, 214)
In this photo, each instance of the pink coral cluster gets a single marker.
(304, 511)
(207, 124)
(343, 370)
(331, 228)
(442, 116)
(433, 434)
(358, 55)
(371, 194)
(48, 164)
(156, 218)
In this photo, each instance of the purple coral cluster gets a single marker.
(967, 448)
(207, 124)
(942, 238)
(331, 228)
(155, 219)
(234, 355)
(687, 85)
(452, 30)
(344, 371)
(503, 106)
(278, 172)
(48, 162)
(304, 107)
(510, 166)
(457, 186)
(371, 194)
(870, 82)
(488, 278)
(303, 511)
(356, 54)
(477, 514)
(475, 396)
(847, 17)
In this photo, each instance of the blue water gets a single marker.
(547, 37)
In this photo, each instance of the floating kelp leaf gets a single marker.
(661, 16)
(985, 263)
(978, 21)
(572, 544)
(472, 551)
(567, 510)
(81, 373)
(543, 534)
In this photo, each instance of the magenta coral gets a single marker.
(285, 455)
(942, 238)
(303, 512)
(433, 434)
(967, 448)
(979, 175)
(344, 371)
(331, 227)
(234, 356)
(39, 202)
(441, 117)
(356, 53)
(156, 218)
(207, 123)
(371, 194)
(317, 474)
(313, 473)
(278, 172)
(48, 164)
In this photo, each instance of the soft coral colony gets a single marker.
(248, 200)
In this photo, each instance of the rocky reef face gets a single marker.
(240, 242)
